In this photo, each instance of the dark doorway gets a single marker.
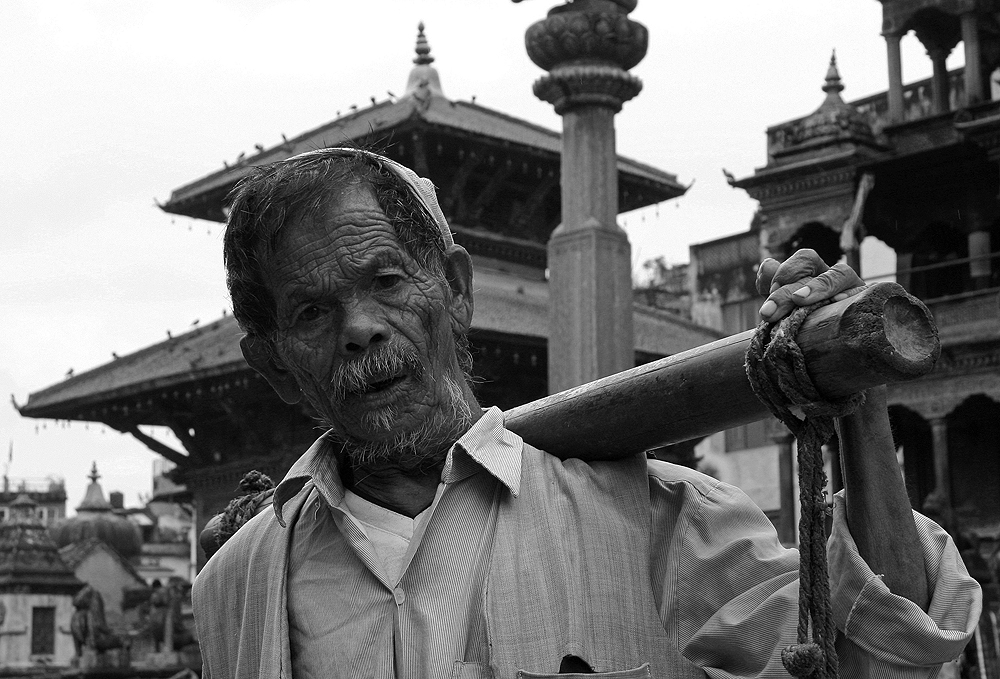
(819, 237)
(912, 435)
(974, 454)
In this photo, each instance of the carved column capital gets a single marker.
(567, 87)
(587, 47)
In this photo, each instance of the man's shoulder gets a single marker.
(658, 470)
(667, 473)
(681, 483)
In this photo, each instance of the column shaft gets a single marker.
(590, 259)
(973, 64)
(939, 81)
(980, 269)
(895, 78)
(938, 503)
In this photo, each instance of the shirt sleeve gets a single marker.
(884, 635)
(731, 592)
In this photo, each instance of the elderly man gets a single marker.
(420, 538)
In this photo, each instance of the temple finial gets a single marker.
(93, 476)
(833, 84)
(423, 80)
(423, 48)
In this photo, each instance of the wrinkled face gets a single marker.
(366, 332)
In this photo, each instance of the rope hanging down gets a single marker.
(777, 372)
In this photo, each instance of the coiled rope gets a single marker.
(777, 372)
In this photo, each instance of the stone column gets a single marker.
(786, 486)
(587, 47)
(938, 501)
(939, 81)
(895, 78)
(980, 269)
(973, 64)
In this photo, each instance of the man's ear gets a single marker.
(458, 270)
(261, 358)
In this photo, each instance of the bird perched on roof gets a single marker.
(69, 373)
(115, 356)
(259, 147)
(169, 335)
(730, 179)
(373, 100)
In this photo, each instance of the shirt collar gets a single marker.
(487, 445)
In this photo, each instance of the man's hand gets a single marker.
(801, 280)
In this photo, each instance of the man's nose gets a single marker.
(363, 327)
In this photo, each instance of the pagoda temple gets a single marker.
(498, 183)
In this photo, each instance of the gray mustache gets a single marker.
(375, 365)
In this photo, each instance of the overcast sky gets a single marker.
(108, 106)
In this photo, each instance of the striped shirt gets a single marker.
(722, 586)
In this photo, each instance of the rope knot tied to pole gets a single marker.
(777, 372)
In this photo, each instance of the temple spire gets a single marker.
(833, 87)
(93, 499)
(423, 80)
(423, 48)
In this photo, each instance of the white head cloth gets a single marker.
(420, 187)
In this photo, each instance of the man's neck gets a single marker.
(406, 493)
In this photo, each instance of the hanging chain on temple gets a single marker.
(777, 372)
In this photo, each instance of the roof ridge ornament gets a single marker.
(423, 80)
(833, 86)
(423, 48)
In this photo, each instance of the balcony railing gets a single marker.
(952, 279)
(34, 485)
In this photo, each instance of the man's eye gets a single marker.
(310, 313)
(387, 281)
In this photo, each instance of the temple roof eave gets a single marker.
(203, 197)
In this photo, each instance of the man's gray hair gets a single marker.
(302, 188)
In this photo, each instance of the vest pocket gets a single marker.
(471, 670)
(641, 672)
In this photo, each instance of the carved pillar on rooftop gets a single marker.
(587, 47)
(895, 77)
(786, 485)
(973, 61)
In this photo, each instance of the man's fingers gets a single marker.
(765, 273)
(835, 280)
(781, 302)
(838, 282)
(802, 264)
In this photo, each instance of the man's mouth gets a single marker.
(382, 385)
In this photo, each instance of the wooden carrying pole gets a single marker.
(878, 336)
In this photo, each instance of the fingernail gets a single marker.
(768, 308)
(804, 291)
